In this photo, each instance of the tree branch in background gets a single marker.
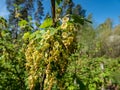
(53, 12)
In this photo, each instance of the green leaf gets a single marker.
(26, 35)
(58, 2)
(23, 23)
(3, 22)
(46, 23)
(79, 19)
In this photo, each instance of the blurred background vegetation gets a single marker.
(95, 65)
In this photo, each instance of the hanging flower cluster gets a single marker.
(48, 53)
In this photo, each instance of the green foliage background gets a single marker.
(74, 55)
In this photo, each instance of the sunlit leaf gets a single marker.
(46, 23)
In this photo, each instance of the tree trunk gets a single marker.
(53, 12)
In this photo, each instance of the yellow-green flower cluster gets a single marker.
(51, 52)
(64, 22)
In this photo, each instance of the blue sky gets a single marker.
(100, 9)
(3, 10)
